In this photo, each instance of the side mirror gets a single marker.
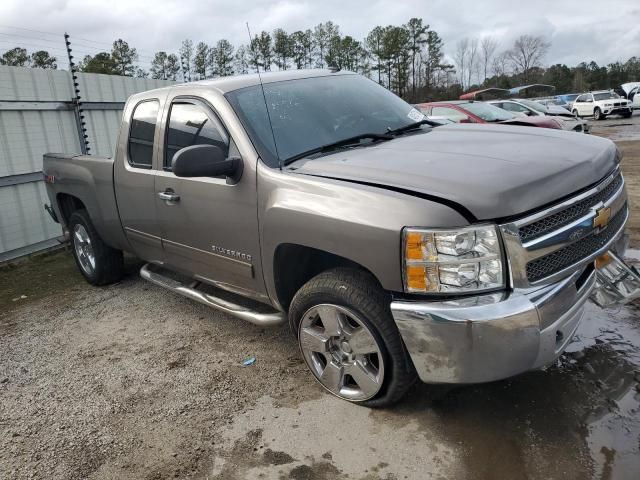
(205, 161)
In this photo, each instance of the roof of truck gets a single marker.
(228, 84)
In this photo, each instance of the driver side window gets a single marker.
(190, 124)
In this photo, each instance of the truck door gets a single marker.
(209, 226)
(134, 178)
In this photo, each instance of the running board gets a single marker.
(151, 274)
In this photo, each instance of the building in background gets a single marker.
(37, 116)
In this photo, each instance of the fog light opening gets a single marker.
(559, 337)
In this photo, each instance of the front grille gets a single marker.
(565, 257)
(553, 222)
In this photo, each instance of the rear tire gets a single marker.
(368, 338)
(98, 262)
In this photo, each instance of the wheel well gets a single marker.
(294, 265)
(68, 204)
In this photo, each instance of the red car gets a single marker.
(468, 111)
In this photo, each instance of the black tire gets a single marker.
(359, 292)
(627, 115)
(597, 114)
(109, 262)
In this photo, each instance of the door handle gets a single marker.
(169, 197)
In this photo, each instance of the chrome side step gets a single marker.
(150, 273)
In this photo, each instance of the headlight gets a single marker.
(450, 261)
(608, 104)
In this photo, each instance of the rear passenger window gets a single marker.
(143, 127)
(190, 124)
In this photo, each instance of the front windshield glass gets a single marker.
(605, 96)
(486, 112)
(535, 105)
(312, 112)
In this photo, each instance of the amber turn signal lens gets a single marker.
(603, 260)
(416, 277)
(414, 246)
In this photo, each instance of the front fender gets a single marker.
(358, 222)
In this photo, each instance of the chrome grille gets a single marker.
(571, 254)
(568, 215)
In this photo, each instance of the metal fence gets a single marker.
(37, 116)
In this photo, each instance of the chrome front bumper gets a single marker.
(494, 336)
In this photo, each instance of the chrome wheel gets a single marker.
(341, 352)
(83, 249)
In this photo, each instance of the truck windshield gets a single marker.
(312, 112)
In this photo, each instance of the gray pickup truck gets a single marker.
(396, 249)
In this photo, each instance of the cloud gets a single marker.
(600, 32)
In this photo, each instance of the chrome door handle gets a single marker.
(168, 196)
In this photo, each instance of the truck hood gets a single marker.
(490, 171)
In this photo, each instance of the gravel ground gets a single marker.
(130, 381)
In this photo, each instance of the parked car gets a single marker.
(463, 111)
(396, 250)
(532, 108)
(601, 103)
(566, 100)
(630, 92)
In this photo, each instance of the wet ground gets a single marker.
(129, 381)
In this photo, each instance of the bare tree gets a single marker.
(499, 64)
(472, 60)
(460, 58)
(527, 53)
(488, 46)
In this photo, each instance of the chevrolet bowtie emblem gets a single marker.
(603, 215)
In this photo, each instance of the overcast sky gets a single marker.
(600, 30)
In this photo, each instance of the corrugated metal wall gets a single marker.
(36, 118)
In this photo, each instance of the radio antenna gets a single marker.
(264, 97)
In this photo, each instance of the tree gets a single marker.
(42, 59)
(141, 73)
(374, 45)
(431, 59)
(102, 62)
(282, 48)
(16, 57)
(417, 38)
(462, 52)
(472, 60)
(186, 59)
(200, 60)
(164, 67)
(527, 52)
(221, 58)
(560, 76)
(124, 57)
(298, 49)
(241, 60)
(261, 53)
(488, 47)
(323, 35)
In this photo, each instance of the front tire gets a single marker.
(597, 114)
(349, 340)
(98, 262)
(627, 115)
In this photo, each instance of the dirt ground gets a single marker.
(130, 381)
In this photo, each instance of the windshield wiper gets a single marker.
(340, 143)
(413, 126)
